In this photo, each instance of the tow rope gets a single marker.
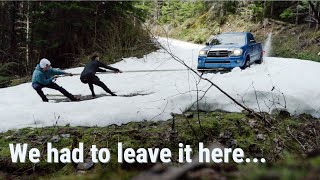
(137, 71)
(155, 70)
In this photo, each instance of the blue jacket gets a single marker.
(44, 78)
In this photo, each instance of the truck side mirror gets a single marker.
(207, 44)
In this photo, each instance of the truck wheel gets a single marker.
(246, 64)
(260, 59)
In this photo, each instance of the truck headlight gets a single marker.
(236, 52)
(203, 53)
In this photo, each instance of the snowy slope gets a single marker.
(277, 83)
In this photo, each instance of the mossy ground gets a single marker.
(289, 145)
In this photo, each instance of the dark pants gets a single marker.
(91, 79)
(38, 88)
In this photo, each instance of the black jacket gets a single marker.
(94, 66)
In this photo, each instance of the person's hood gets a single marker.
(38, 68)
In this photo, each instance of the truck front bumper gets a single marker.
(220, 63)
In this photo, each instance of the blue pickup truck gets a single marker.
(230, 50)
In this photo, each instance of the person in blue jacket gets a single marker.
(44, 76)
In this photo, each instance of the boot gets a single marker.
(75, 99)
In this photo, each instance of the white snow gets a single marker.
(277, 83)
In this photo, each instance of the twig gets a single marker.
(288, 130)
(193, 131)
(198, 109)
(255, 93)
(161, 112)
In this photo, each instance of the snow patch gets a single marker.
(276, 84)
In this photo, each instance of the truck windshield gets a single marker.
(228, 39)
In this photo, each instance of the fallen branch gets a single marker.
(193, 131)
(288, 130)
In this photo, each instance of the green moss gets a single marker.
(17, 81)
(234, 116)
(213, 126)
(315, 162)
(4, 81)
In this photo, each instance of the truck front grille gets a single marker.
(218, 62)
(218, 54)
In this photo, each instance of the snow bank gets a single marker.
(277, 83)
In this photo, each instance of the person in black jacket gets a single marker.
(88, 74)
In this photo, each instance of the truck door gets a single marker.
(252, 48)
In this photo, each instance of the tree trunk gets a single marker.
(271, 10)
(13, 40)
(264, 9)
(297, 13)
(158, 5)
(315, 15)
(95, 23)
(27, 36)
(318, 8)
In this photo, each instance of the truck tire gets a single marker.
(260, 60)
(201, 70)
(246, 64)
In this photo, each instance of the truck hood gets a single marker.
(222, 46)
